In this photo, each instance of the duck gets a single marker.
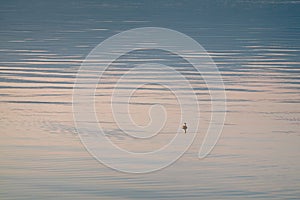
(184, 127)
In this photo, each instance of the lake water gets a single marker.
(256, 46)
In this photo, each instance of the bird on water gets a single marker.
(184, 127)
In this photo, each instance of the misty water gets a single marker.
(256, 46)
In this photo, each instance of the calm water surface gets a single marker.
(256, 45)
